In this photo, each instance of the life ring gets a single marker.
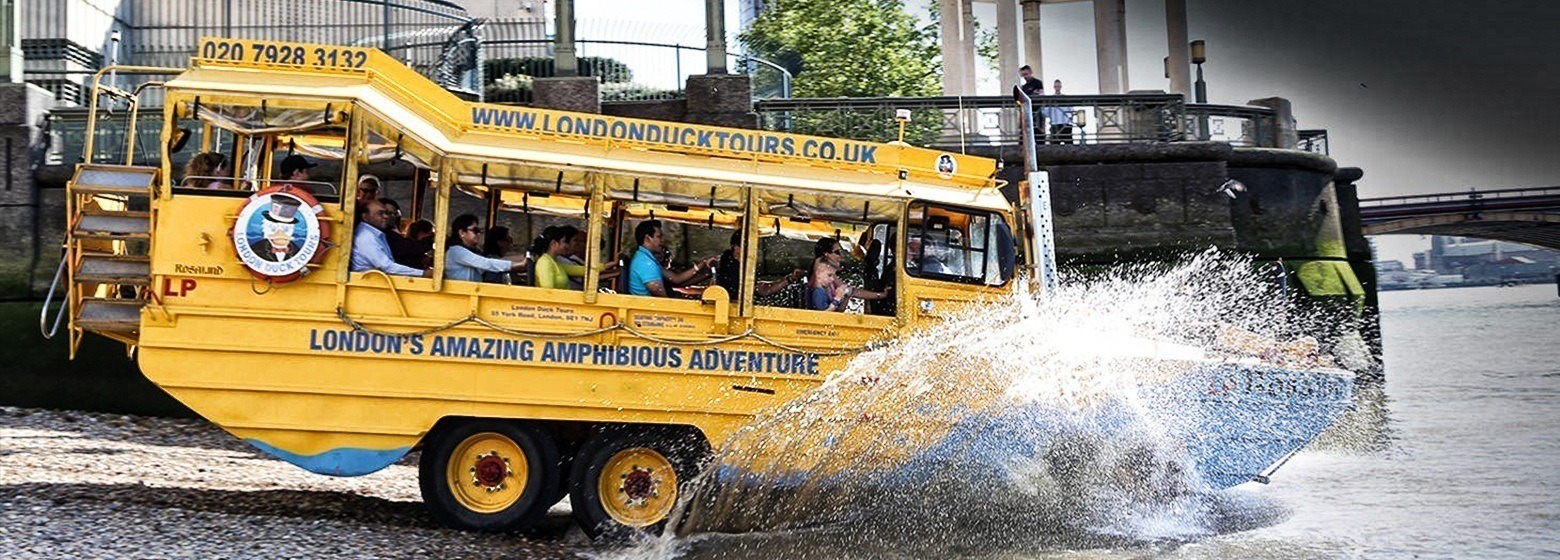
(278, 233)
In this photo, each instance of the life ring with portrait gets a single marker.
(279, 232)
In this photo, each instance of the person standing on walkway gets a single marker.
(1028, 83)
(1061, 119)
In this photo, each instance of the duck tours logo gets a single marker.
(277, 234)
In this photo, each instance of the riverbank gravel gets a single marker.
(91, 485)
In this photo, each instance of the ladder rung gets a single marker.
(115, 315)
(114, 256)
(110, 189)
(114, 179)
(114, 270)
(138, 214)
(98, 225)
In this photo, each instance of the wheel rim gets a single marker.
(638, 487)
(487, 473)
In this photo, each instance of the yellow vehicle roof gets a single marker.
(663, 156)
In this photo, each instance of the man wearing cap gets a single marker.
(370, 251)
(295, 171)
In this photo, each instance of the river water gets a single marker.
(1457, 455)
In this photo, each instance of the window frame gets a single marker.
(920, 231)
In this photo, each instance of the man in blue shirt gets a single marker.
(647, 276)
(370, 250)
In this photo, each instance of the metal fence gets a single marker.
(962, 122)
(65, 136)
(65, 41)
(629, 70)
(1314, 141)
(1237, 125)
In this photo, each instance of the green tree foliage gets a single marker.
(851, 48)
(847, 48)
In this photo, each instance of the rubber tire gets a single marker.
(541, 454)
(685, 448)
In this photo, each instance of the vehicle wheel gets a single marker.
(628, 479)
(489, 475)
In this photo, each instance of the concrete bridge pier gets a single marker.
(1158, 202)
(1361, 258)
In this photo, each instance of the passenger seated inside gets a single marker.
(367, 189)
(932, 256)
(461, 261)
(829, 257)
(419, 249)
(496, 244)
(295, 172)
(576, 257)
(826, 293)
(728, 273)
(549, 249)
(647, 275)
(206, 170)
(400, 245)
(370, 251)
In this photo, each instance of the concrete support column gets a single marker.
(1282, 133)
(715, 36)
(1007, 43)
(10, 41)
(566, 63)
(958, 42)
(31, 220)
(566, 90)
(1110, 45)
(1031, 15)
(1179, 48)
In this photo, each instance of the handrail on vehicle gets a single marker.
(59, 317)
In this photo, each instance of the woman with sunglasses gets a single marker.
(826, 291)
(463, 262)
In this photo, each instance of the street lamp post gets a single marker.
(1200, 88)
(1199, 56)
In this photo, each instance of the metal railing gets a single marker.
(65, 136)
(67, 40)
(1470, 195)
(1237, 125)
(1314, 140)
(955, 122)
(629, 70)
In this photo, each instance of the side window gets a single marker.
(956, 245)
(841, 246)
(516, 223)
(396, 174)
(248, 145)
(686, 226)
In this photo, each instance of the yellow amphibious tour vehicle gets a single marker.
(237, 288)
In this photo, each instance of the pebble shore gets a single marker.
(90, 485)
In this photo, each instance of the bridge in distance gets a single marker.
(1526, 215)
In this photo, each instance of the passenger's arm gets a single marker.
(574, 270)
(769, 288)
(655, 289)
(479, 262)
(679, 278)
(381, 260)
(862, 293)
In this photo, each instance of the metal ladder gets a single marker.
(106, 266)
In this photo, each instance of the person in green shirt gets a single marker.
(551, 270)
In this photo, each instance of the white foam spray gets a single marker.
(1012, 427)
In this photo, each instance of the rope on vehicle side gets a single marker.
(750, 333)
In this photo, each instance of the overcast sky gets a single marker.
(1425, 96)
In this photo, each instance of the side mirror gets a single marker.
(1007, 250)
(180, 138)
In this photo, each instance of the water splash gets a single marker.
(1015, 426)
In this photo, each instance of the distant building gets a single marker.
(1483, 261)
(65, 41)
